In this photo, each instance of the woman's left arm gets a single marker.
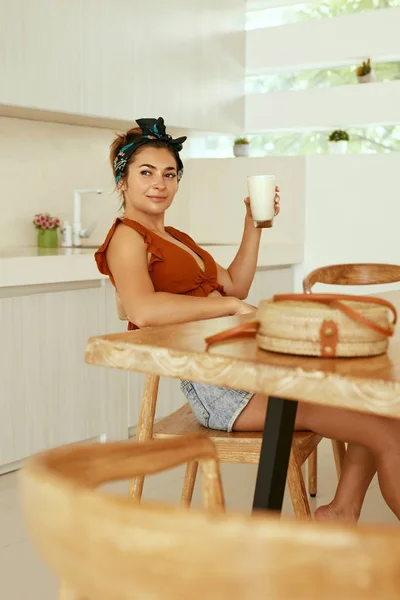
(238, 277)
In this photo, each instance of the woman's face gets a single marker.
(151, 182)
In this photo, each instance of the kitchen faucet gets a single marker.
(77, 232)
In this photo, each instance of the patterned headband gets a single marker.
(153, 129)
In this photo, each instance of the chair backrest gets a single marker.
(353, 274)
(122, 316)
(109, 548)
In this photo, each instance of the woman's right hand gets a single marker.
(242, 308)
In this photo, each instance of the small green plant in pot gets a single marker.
(241, 147)
(338, 141)
(364, 72)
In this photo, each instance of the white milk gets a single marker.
(262, 195)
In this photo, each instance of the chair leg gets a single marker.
(144, 431)
(188, 483)
(213, 494)
(297, 489)
(312, 473)
(339, 450)
(136, 488)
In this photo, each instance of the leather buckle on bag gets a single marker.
(328, 337)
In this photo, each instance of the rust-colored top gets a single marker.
(171, 268)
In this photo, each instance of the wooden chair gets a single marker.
(353, 274)
(107, 548)
(236, 447)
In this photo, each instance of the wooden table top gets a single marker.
(364, 384)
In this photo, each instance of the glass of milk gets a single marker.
(262, 199)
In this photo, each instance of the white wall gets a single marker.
(42, 163)
(352, 211)
(334, 107)
(321, 43)
(217, 188)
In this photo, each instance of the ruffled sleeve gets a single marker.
(152, 247)
(100, 254)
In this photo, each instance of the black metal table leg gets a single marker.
(275, 454)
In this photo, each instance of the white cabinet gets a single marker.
(40, 54)
(178, 59)
(49, 396)
(106, 62)
(127, 59)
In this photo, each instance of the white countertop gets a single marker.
(20, 266)
(34, 252)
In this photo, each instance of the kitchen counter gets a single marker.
(22, 266)
(34, 266)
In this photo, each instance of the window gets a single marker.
(301, 80)
(367, 140)
(273, 17)
(363, 140)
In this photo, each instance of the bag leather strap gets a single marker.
(244, 330)
(250, 328)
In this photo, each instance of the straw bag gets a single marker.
(319, 325)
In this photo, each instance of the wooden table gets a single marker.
(363, 384)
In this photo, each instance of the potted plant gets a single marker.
(241, 147)
(47, 236)
(364, 72)
(338, 141)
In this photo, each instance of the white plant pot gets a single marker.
(241, 149)
(366, 78)
(338, 147)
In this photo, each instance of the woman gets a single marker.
(163, 277)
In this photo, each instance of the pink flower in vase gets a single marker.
(45, 221)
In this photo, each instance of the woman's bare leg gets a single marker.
(359, 467)
(378, 435)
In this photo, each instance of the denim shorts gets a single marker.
(215, 407)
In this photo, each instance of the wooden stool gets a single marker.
(108, 548)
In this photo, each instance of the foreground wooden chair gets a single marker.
(76, 469)
(353, 274)
(236, 447)
(108, 548)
